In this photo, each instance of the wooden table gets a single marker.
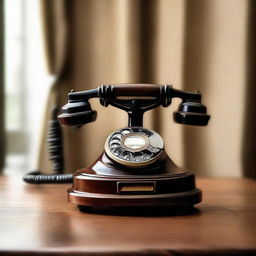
(37, 219)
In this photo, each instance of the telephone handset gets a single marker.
(134, 170)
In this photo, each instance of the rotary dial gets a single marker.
(134, 146)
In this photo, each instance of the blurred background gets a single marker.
(49, 47)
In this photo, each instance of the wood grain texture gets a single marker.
(37, 218)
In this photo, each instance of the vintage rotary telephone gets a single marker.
(133, 169)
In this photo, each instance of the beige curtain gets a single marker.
(196, 44)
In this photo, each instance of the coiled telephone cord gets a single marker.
(37, 177)
(55, 151)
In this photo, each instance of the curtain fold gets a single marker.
(196, 44)
(215, 63)
(249, 115)
(56, 18)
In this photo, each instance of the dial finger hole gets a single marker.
(127, 156)
(126, 131)
(118, 151)
(153, 149)
(114, 141)
(117, 136)
(138, 156)
(147, 155)
(114, 145)
(147, 132)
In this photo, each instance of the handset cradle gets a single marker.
(134, 169)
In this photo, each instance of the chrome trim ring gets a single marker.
(119, 146)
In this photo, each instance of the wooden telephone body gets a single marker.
(133, 169)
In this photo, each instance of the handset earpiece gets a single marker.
(77, 113)
(191, 113)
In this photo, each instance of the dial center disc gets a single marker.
(135, 142)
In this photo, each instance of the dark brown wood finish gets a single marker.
(137, 90)
(36, 219)
(98, 185)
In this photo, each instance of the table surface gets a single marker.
(37, 218)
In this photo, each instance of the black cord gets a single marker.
(55, 151)
(36, 177)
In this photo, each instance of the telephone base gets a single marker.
(106, 185)
(181, 200)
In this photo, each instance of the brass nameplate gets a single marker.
(136, 187)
